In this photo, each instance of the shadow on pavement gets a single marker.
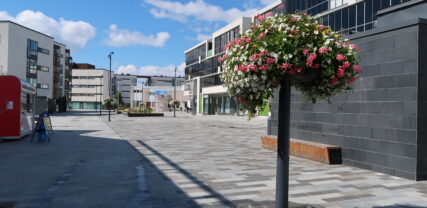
(224, 202)
(80, 168)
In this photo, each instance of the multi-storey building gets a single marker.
(203, 85)
(28, 54)
(67, 77)
(343, 16)
(123, 84)
(89, 86)
(61, 57)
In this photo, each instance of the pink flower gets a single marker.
(219, 59)
(340, 57)
(351, 80)
(346, 65)
(292, 19)
(323, 50)
(281, 6)
(357, 68)
(253, 27)
(261, 35)
(354, 47)
(269, 14)
(305, 51)
(292, 72)
(255, 57)
(243, 68)
(248, 40)
(321, 27)
(333, 80)
(263, 53)
(285, 66)
(252, 67)
(271, 60)
(263, 67)
(299, 69)
(294, 32)
(340, 73)
(260, 18)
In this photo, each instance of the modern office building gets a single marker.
(67, 77)
(123, 84)
(89, 86)
(28, 54)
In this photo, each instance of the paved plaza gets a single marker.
(187, 161)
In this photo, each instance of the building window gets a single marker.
(42, 50)
(42, 86)
(32, 61)
(43, 68)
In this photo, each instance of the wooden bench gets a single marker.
(324, 153)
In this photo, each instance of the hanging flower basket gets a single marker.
(320, 63)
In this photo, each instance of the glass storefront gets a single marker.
(219, 105)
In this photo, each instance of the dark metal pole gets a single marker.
(174, 95)
(282, 173)
(110, 88)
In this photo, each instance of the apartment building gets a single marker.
(203, 85)
(36, 58)
(28, 54)
(89, 86)
(61, 73)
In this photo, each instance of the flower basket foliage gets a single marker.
(320, 63)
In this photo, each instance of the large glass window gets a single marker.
(222, 40)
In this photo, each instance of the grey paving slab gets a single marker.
(187, 161)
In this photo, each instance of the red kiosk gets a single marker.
(17, 105)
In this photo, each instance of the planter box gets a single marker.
(324, 153)
(146, 114)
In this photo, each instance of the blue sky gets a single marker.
(147, 36)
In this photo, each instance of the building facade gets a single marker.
(123, 84)
(158, 98)
(89, 86)
(203, 85)
(36, 58)
(164, 81)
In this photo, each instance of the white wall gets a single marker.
(102, 84)
(4, 44)
(17, 55)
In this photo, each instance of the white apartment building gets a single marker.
(27, 54)
(89, 87)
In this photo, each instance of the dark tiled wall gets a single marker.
(422, 105)
(376, 123)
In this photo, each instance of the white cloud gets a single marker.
(75, 34)
(202, 37)
(197, 9)
(152, 70)
(120, 37)
(128, 69)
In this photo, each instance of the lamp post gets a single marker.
(174, 95)
(110, 88)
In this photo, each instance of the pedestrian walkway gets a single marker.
(218, 161)
(187, 161)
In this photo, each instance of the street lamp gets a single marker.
(101, 87)
(174, 95)
(109, 103)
